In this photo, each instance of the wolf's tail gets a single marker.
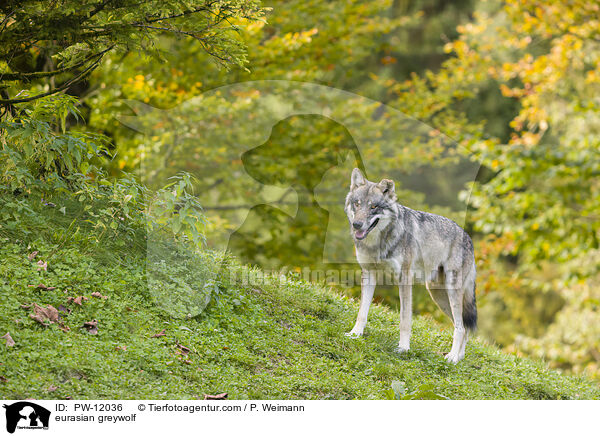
(469, 301)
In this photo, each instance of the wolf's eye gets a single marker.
(373, 206)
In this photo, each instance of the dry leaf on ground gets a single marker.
(9, 340)
(182, 349)
(77, 300)
(91, 326)
(159, 334)
(98, 295)
(64, 309)
(222, 396)
(41, 286)
(41, 314)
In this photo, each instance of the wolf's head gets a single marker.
(370, 206)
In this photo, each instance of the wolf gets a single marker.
(411, 244)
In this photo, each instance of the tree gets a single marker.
(50, 46)
(46, 50)
(538, 204)
(206, 129)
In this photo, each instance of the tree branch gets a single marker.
(274, 203)
(40, 74)
(99, 8)
(169, 17)
(5, 20)
(60, 88)
(169, 29)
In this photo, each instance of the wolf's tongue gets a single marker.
(360, 234)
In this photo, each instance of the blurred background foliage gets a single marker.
(484, 107)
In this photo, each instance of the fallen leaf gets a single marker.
(42, 265)
(41, 286)
(25, 306)
(9, 341)
(3, 379)
(159, 334)
(222, 396)
(52, 388)
(64, 309)
(99, 295)
(52, 313)
(121, 347)
(41, 314)
(182, 349)
(31, 256)
(77, 300)
(91, 326)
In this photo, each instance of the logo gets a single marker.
(26, 415)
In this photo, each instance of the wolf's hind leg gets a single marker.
(368, 282)
(459, 339)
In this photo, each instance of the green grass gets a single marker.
(280, 339)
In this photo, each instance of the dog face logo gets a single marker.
(26, 415)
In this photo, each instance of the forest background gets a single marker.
(487, 112)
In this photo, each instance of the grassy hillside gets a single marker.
(281, 339)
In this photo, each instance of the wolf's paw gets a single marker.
(352, 334)
(402, 349)
(453, 357)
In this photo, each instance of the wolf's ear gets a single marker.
(388, 188)
(357, 179)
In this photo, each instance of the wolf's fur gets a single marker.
(412, 244)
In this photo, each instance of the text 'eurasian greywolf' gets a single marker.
(412, 244)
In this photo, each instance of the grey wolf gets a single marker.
(411, 244)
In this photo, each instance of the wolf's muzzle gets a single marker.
(362, 234)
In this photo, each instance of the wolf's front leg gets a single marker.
(368, 281)
(405, 313)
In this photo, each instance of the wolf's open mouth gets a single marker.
(362, 234)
